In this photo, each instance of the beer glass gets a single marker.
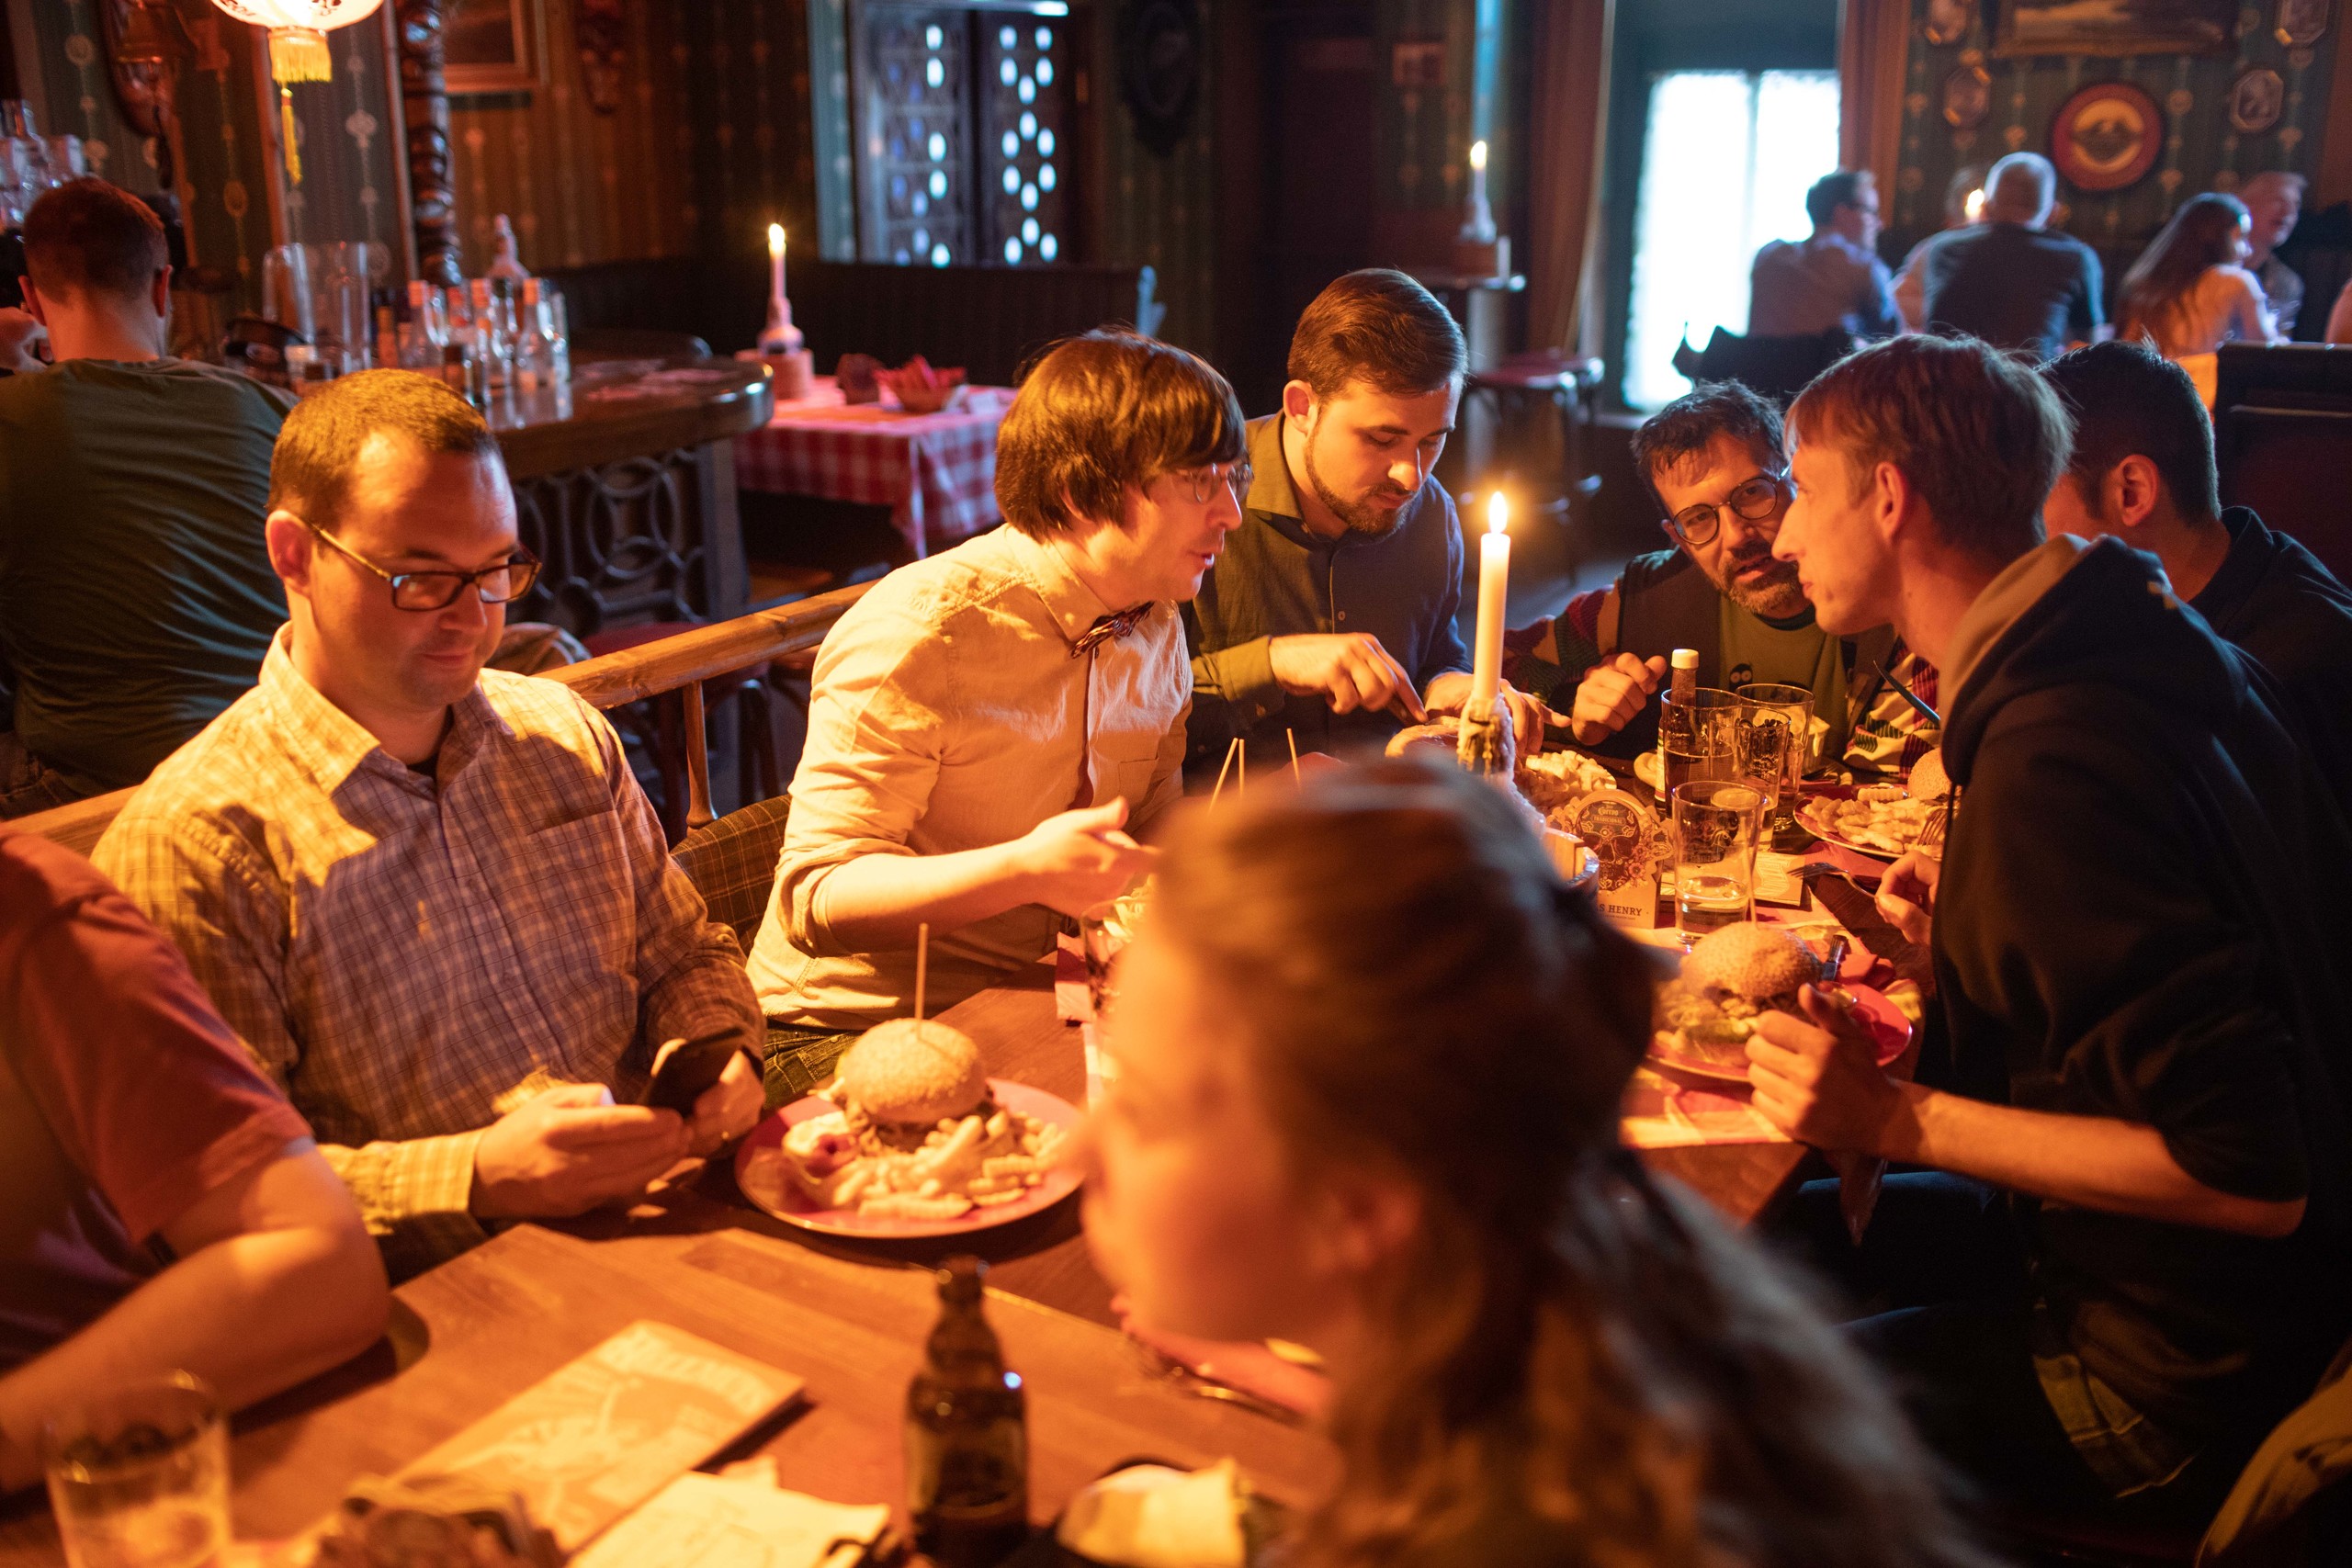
(1775, 742)
(139, 1474)
(1698, 737)
(1716, 823)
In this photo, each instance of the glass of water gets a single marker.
(1698, 737)
(1775, 741)
(139, 1474)
(1716, 823)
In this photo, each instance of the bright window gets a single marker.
(1726, 164)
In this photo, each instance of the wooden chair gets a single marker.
(731, 863)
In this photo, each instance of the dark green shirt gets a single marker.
(136, 594)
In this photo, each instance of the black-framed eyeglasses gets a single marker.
(1201, 483)
(1754, 500)
(499, 584)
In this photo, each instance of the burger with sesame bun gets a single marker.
(1729, 979)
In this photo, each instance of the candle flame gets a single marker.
(775, 239)
(1478, 155)
(1975, 205)
(1497, 513)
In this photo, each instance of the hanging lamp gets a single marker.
(298, 48)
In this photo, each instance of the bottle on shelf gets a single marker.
(505, 265)
(533, 365)
(493, 334)
(426, 332)
(968, 1435)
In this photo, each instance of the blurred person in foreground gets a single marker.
(1831, 279)
(2190, 292)
(161, 1208)
(989, 728)
(2011, 279)
(136, 594)
(431, 896)
(2126, 1260)
(2274, 201)
(1333, 613)
(1714, 461)
(1370, 1052)
(2141, 470)
(1963, 206)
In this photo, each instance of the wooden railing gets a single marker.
(686, 661)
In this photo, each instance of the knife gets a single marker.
(1922, 709)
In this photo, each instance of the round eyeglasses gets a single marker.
(499, 584)
(1201, 483)
(1754, 500)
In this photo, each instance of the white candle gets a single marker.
(1494, 589)
(1478, 174)
(775, 261)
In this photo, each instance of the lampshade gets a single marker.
(298, 48)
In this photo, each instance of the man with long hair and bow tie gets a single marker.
(990, 728)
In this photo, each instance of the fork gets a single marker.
(1814, 868)
(1931, 832)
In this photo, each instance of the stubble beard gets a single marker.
(1780, 596)
(1360, 516)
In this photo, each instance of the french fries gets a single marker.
(990, 1157)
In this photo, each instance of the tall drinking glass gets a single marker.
(1776, 740)
(286, 295)
(1698, 737)
(1717, 822)
(139, 1474)
(1104, 931)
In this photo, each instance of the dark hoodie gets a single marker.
(2128, 926)
(2274, 599)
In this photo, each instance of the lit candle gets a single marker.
(775, 261)
(1478, 171)
(1974, 204)
(1494, 588)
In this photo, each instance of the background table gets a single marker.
(936, 473)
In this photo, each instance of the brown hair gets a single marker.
(1422, 995)
(310, 470)
(1380, 327)
(87, 234)
(1104, 412)
(1682, 430)
(2154, 297)
(1978, 435)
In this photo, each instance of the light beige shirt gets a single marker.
(951, 712)
(410, 957)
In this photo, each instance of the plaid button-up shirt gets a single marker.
(409, 956)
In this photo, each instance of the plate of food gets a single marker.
(910, 1139)
(1881, 821)
(1733, 976)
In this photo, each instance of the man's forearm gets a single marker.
(250, 1315)
(2089, 1162)
(876, 902)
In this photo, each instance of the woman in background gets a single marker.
(2190, 292)
(1369, 1053)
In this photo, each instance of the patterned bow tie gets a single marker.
(1107, 627)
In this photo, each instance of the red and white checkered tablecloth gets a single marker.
(936, 473)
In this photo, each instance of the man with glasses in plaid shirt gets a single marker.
(1713, 460)
(431, 897)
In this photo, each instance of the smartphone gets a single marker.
(683, 1069)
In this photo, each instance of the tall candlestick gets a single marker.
(780, 336)
(1494, 589)
(1480, 226)
(775, 261)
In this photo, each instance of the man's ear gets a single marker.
(160, 294)
(34, 306)
(1298, 401)
(1892, 500)
(2133, 490)
(291, 551)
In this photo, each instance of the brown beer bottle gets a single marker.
(968, 1434)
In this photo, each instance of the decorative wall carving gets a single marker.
(425, 100)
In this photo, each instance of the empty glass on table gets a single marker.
(139, 1474)
(1775, 743)
(1698, 737)
(1716, 824)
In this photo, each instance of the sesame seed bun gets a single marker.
(1928, 780)
(1751, 960)
(909, 1072)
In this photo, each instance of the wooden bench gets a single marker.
(680, 663)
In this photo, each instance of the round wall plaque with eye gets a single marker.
(2107, 136)
(1159, 69)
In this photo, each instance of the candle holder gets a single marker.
(1487, 745)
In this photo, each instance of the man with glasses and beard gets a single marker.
(1331, 615)
(429, 897)
(1712, 457)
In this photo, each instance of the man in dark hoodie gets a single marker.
(2143, 471)
(2144, 1078)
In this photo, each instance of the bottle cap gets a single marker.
(961, 1277)
(1686, 659)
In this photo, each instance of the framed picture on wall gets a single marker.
(2301, 22)
(2116, 26)
(1949, 20)
(2254, 101)
(2107, 136)
(1968, 97)
(493, 46)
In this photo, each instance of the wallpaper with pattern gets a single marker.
(1156, 211)
(2201, 151)
(1425, 133)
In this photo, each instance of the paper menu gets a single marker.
(603, 1432)
(705, 1521)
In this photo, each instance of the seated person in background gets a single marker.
(2137, 1261)
(136, 596)
(430, 897)
(1800, 287)
(2189, 292)
(2142, 469)
(2010, 279)
(162, 1207)
(2274, 201)
(1963, 199)
(986, 726)
(1331, 614)
(1713, 458)
(1370, 1053)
